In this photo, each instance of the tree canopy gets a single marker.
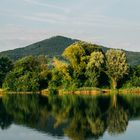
(27, 74)
(116, 64)
(5, 66)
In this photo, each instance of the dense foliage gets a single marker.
(5, 66)
(28, 74)
(117, 66)
(83, 65)
(86, 64)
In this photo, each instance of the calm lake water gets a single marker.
(33, 117)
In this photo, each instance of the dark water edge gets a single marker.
(69, 117)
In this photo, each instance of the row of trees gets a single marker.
(83, 65)
(87, 65)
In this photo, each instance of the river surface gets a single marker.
(70, 117)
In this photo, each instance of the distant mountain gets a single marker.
(54, 46)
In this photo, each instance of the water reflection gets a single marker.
(78, 117)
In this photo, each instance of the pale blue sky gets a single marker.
(113, 23)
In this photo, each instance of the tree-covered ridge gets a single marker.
(55, 46)
(83, 65)
(51, 47)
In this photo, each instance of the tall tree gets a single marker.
(78, 55)
(116, 64)
(94, 68)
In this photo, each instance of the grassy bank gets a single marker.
(79, 91)
(92, 91)
(95, 91)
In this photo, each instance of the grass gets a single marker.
(82, 91)
(95, 91)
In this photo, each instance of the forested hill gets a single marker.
(54, 46)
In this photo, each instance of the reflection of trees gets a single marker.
(23, 108)
(76, 129)
(97, 126)
(117, 117)
(94, 116)
(78, 117)
(5, 118)
(117, 121)
(83, 116)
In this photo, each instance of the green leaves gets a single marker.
(96, 61)
(86, 62)
(5, 66)
(94, 68)
(116, 65)
(28, 74)
(83, 64)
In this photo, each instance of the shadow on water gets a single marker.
(78, 117)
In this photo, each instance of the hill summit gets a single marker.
(54, 46)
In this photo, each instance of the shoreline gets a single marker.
(61, 92)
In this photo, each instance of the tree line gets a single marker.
(82, 65)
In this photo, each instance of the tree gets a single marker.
(5, 67)
(78, 55)
(75, 56)
(44, 72)
(28, 74)
(133, 79)
(60, 74)
(116, 64)
(24, 76)
(94, 68)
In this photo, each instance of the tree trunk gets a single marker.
(114, 83)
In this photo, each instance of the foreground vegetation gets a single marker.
(82, 65)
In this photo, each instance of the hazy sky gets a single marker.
(113, 23)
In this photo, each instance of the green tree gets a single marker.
(134, 80)
(116, 64)
(5, 67)
(62, 70)
(78, 55)
(75, 55)
(94, 68)
(44, 72)
(28, 74)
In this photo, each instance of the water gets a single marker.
(33, 117)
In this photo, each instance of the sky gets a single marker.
(112, 23)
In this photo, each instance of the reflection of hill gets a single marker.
(74, 116)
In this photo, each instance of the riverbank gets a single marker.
(93, 91)
(80, 91)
